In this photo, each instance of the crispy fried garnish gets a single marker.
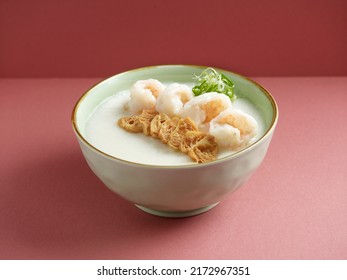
(145, 120)
(131, 124)
(178, 133)
(157, 123)
(201, 147)
(140, 123)
(167, 128)
(177, 136)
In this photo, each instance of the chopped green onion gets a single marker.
(212, 81)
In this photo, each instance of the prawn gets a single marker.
(143, 95)
(173, 98)
(203, 108)
(233, 129)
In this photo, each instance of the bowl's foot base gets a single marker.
(179, 214)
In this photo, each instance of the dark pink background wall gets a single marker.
(43, 38)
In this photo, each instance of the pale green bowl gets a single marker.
(174, 191)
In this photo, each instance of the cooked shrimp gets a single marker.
(172, 99)
(143, 95)
(203, 108)
(233, 129)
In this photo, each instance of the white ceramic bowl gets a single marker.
(174, 191)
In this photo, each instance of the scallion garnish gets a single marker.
(212, 81)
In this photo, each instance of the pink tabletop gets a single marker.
(53, 207)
